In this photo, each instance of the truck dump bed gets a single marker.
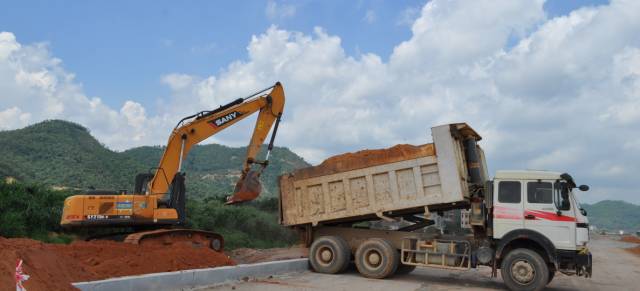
(403, 179)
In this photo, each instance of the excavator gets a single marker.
(156, 208)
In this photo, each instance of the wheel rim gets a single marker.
(523, 272)
(372, 259)
(324, 256)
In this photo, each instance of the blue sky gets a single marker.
(549, 84)
(119, 50)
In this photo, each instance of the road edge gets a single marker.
(187, 279)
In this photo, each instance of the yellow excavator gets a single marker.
(157, 204)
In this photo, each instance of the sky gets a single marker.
(551, 85)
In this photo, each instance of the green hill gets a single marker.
(614, 215)
(61, 153)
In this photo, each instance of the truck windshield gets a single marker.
(576, 202)
(575, 198)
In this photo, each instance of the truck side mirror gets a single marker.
(583, 188)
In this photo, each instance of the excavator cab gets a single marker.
(142, 183)
(177, 199)
(174, 199)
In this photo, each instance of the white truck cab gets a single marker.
(538, 210)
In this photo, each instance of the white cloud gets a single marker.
(453, 33)
(34, 87)
(369, 16)
(8, 44)
(275, 11)
(564, 97)
(13, 117)
(408, 16)
(178, 81)
(557, 158)
(136, 117)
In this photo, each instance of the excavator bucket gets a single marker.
(248, 188)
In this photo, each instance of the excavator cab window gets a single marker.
(176, 197)
(142, 182)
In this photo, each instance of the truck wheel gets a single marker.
(524, 270)
(552, 273)
(376, 258)
(329, 255)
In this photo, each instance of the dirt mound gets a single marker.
(366, 158)
(54, 267)
(634, 250)
(250, 256)
(631, 239)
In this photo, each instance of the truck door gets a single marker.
(507, 208)
(541, 215)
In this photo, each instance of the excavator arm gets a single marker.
(195, 128)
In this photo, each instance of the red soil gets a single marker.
(635, 250)
(631, 239)
(55, 267)
(365, 158)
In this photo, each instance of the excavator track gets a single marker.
(170, 237)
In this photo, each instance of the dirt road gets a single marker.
(614, 269)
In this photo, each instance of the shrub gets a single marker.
(30, 210)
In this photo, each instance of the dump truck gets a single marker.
(378, 208)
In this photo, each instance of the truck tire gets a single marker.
(552, 273)
(376, 258)
(524, 270)
(329, 255)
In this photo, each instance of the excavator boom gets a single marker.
(196, 128)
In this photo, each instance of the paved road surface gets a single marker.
(614, 269)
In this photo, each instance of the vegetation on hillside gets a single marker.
(240, 225)
(614, 215)
(31, 211)
(63, 154)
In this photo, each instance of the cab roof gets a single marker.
(527, 174)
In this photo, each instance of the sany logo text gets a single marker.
(220, 121)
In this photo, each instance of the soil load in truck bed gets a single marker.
(55, 267)
(366, 158)
(400, 180)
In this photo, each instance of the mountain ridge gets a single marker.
(614, 215)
